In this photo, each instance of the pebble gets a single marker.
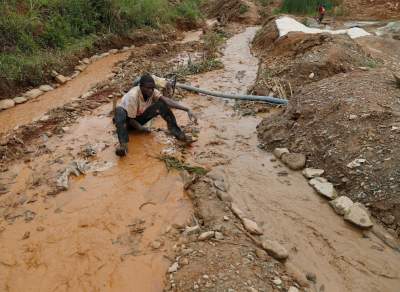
(278, 152)
(275, 249)
(235, 209)
(293, 289)
(312, 172)
(156, 244)
(353, 117)
(184, 261)
(341, 205)
(311, 277)
(219, 236)
(252, 226)
(81, 67)
(61, 79)
(356, 163)
(33, 93)
(86, 61)
(311, 76)
(358, 215)
(192, 230)
(206, 235)
(294, 161)
(6, 104)
(277, 281)
(323, 187)
(173, 268)
(113, 51)
(20, 99)
(46, 88)
(226, 218)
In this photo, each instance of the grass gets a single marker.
(172, 162)
(306, 6)
(37, 35)
(243, 8)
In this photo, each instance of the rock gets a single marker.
(356, 163)
(293, 289)
(46, 88)
(6, 104)
(388, 219)
(104, 55)
(252, 226)
(275, 249)
(323, 187)
(225, 197)
(341, 205)
(358, 215)
(311, 277)
(312, 172)
(191, 230)
(94, 58)
(277, 281)
(311, 76)
(226, 218)
(86, 61)
(124, 49)
(156, 244)
(294, 161)
(187, 179)
(113, 51)
(218, 236)
(75, 74)
(81, 67)
(61, 79)
(33, 93)
(353, 117)
(278, 152)
(206, 235)
(87, 94)
(235, 209)
(54, 73)
(20, 99)
(173, 268)
(397, 78)
(184, 261)
(44, 118)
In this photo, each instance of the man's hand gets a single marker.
(192, 116)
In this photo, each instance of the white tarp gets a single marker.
(287, 24)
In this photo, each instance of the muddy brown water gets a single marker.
(34, 109)
(97, 235)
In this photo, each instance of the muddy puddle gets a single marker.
(34, 109)
(108, 232)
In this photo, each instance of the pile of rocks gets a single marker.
(355, 213)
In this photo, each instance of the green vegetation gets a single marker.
(243, 8)
(172, 162)
(265, 2)
(306, 6)
(38, 35)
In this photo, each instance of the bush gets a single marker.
(34, 33)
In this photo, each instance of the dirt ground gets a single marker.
(74, 217)
(349, 109)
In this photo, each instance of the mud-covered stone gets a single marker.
(46, 88)
(20, 99)
(206, 235)
(33, 93)
(252, 226)
(278, 152)
(6, 103)
(294, 161)
(312, 172)
(275, 249)
(358, 215)
(323, 187)
(61, 79)
(341, 205)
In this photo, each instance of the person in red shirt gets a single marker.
(321, 12)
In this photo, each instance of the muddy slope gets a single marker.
(345, 107)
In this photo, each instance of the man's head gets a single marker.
(147, 85)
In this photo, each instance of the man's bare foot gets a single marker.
(122, 149)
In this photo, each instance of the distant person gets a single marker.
(321, 12)
(141, 104)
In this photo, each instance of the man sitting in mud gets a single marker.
(141, 104)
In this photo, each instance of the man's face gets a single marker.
(147, 90)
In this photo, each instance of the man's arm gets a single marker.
(173, 104)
